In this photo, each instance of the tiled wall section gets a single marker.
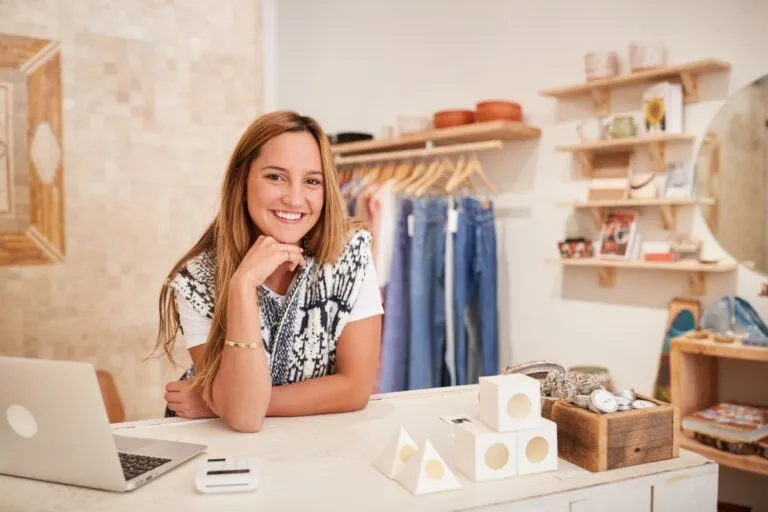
(156, 93)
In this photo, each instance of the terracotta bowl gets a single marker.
(448, 118)
(498, 111)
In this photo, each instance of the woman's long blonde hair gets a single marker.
(232, 233)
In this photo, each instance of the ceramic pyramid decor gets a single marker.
(395, 454)
(426, 472)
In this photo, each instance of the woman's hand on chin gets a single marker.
(262, 259)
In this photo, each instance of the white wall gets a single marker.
(357, 65)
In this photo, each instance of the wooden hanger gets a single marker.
(446, 166)
(414, 183)
(404, 179)
(415, 176)
(474, 167)
(386, 173)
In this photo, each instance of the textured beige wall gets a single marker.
(156, 93)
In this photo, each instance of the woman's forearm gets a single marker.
(241, 390)
(323, 395)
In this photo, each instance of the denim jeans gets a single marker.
(427, 294)
(393, 374)
(475, 286)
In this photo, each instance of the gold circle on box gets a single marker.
(519, 407)
(537, 449)
(497, 456)
(434, 469)
(406, 452)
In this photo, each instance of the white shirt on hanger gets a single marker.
(385, 238)
(197, 326)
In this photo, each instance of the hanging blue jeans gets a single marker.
(476, 278)
(427, 294)
(393, 373)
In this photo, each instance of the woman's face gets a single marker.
(285, 187)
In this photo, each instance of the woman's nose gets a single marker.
(293, 196)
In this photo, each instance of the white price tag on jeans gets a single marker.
(410, 225)
(453, 221)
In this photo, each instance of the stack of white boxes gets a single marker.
(510, 438)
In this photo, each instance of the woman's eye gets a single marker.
(274, 177)
(313, 181)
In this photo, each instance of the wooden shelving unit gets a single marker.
(655, 144)
(693, 379)
(476, 132)
(668, 207)
(600, 90)
(697, 272)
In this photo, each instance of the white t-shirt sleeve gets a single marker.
(194, 326)
(369, 300)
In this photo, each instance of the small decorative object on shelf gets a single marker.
(599, 65)
(620, 127)
(663, 108)
(643, 57)
(571, 248)
(591, 130)
(643, 185)
(618, 236)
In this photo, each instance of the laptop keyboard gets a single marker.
(135, 465)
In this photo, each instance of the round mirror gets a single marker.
(732, 169)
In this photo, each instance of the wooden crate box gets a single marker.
(600, 442)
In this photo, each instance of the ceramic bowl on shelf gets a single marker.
(598, 65)
(449, 118)
(647, 56)
(413, 124)
(497, 110)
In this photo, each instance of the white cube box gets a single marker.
(510, 402)
(484, 454)
(537, 448)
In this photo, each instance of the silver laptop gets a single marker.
(54, 427)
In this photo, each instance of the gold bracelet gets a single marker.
(235, 344)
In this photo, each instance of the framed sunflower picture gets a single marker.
(663, 108)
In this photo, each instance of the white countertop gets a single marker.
(323, 463)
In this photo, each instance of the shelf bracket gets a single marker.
(690, 83)
(607, 277)
(587, 161)
(697, 283)
(668, 216)
(601, 100)
(598, 215)
(658, 159)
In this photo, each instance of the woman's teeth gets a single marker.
(288, 215)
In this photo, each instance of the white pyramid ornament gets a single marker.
(426, 472)
(395, 454)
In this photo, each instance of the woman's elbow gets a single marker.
(358, 401)
(245, 424)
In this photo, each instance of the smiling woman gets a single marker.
(278, 301)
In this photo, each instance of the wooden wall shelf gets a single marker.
(697, 272)
(600, 90)
(476, 132)
(668, 207)
(693, 384)
(750, 463)
(656, 145)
